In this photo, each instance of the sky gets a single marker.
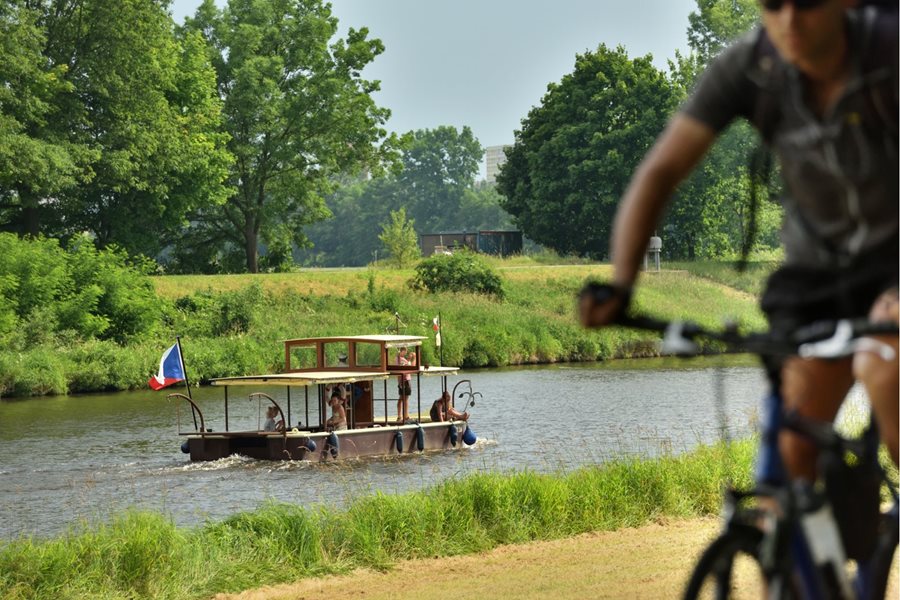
(486, 63)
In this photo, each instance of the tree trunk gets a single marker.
(31, 222)
(250, 249)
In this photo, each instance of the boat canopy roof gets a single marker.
(302, 379)
(388, 340)
(307, 378)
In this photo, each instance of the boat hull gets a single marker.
(351, 443)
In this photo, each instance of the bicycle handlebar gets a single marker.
(822, 339)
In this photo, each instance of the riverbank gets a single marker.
(234, 324)
(144, 555)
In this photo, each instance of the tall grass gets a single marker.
(234, 324)
(143, 555)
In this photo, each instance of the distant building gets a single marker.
(494, 156)
(501, 243)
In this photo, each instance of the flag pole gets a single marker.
(187, 384)
(440, 326)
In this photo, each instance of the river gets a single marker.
(70, 461)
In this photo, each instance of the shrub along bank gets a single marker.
(144, 555)
(234, 324)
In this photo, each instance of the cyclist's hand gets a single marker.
(602, 304)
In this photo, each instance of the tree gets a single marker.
(140, 103)
(36, 159)
(576, 151)
(718, 22)
(710, 216)
(435, 186)
(439, 165)
(298, 112)
(400, 239)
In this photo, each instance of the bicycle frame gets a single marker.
(771, 475)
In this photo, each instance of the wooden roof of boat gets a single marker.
(307, 378)
(389, 340)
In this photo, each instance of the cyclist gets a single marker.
(819, 81)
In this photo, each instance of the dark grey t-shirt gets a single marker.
(841, 170)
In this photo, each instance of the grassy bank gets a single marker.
(143, 555)
(234, 324)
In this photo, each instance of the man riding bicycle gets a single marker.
(819, 82)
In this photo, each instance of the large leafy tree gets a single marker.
(439, 165)
(140, 104)
(711, 216)
(298, 112)
(575, 152)
(36, 158)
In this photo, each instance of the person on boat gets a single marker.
(338, 419)
(271, 424)
(404, 386)
(442, 410)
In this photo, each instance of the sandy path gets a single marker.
(651, 562)
(646, 562)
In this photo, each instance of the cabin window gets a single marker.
(336, 355)
(303, 357)
(368, 355)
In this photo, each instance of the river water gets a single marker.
(68, 461)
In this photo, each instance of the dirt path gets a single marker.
(646, 562)
(651, 562)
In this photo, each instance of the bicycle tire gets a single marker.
(883, 557)
(715, 577)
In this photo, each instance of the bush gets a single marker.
(46, 291)
(463, 271)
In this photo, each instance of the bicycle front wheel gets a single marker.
(729, 568)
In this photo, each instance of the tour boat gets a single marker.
(367, 368)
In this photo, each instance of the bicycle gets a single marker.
(796, 537)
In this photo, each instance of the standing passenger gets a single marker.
(404, 387)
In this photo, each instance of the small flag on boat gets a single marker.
(436, 326)
(171, 370)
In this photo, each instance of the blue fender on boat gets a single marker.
(398, 440)
(420, 438)
(186, 447)
(469, 436)
(310, 445)
(333, 444)
(454, 435)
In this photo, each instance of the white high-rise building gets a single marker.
(494, 156)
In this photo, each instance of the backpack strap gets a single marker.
(879, 67)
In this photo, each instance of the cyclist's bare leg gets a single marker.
(880, 376)
(815, 389)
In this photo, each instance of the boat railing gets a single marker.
(262, 395)
(195, 412)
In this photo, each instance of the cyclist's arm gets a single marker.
(677, 150)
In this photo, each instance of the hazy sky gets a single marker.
(485, 63)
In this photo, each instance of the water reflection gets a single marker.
(79, 459)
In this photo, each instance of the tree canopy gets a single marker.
(434, 184)
(575, 152)
(124, 122)
(298, 113)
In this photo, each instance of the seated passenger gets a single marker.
(442, 410)
(338, 419)
(271, 424)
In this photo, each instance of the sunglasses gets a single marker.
(798, 4)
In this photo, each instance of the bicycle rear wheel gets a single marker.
(729, 568)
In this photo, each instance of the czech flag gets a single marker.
(171, 370)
